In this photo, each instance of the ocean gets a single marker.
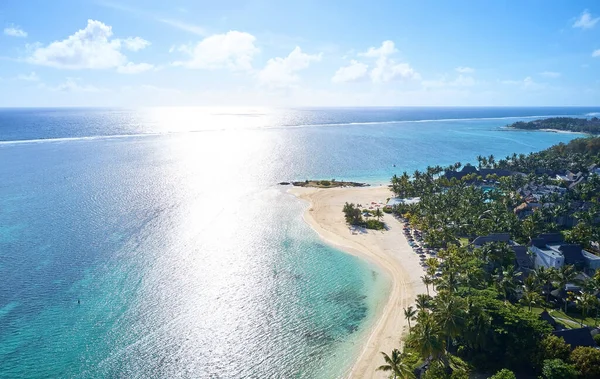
(157, 243)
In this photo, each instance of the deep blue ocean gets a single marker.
(156, 242)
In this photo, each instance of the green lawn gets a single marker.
(573, 320)
(569, 320)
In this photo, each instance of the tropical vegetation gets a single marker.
(571, 124)
(480, 312)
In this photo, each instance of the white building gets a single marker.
(592, 262)
(547, 256)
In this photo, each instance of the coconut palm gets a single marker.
(449, 312)
(586, 301)
(478, 326)
(545, 277)
(378, 214)
(423, 302)
(448, 282)
(565, 275)
(427, 280)
(530, 297)
(427, 339)
(409, 314)
(397, 365)
(506, 282)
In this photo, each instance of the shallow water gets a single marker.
(187, 259)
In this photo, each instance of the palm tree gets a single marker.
(432, 263)
(449, 313)
(565, 275)
(506, 282)
(531, 289)
(395, 363)
(479, 324)
(378, 214)
(586, 301)
(479, 160)
(423, 302)
(409, 314)
(427, 280)
(530, 297)
(545, 277)
(448, 281)
(427, 339)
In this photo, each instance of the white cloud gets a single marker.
(89, 48)
(387, 48)
(134, 68)
(281, 72)
(31, 77)
(233, 50)
(596, 53)
(550, 74)
(353, 72)
(15, 31)
(527, 84)
(71, 85)
(387, 69)
(585, 21)
(464, 70)
(135, 43)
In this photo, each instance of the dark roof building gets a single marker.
(547, 239)
(576, 337)
(469, 169)
(494, 237)
(572, 254)
(522, 256)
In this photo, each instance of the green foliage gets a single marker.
(558, 369)
(397, 365)
(553, 347)
(587, 361)
(562, 123)
(597, 339)
(353, 214)
(436, 370)
(325, 183)
(474, 315)
(501, 334)
(374, 224)
(503, 374)
(387, 210)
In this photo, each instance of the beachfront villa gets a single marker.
(550, 250)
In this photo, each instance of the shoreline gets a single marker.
(389, 250)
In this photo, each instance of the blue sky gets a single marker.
(301, 53)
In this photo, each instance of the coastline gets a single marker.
(389, 250)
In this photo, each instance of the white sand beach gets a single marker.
(388, 249)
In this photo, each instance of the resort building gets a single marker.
(549, 250)
(494, 237)
(576, 337)
(522, 256)
(483, 172)
(592, 262)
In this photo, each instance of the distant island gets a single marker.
(325, 184)
(567, 124)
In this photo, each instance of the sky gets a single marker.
(299, 53)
